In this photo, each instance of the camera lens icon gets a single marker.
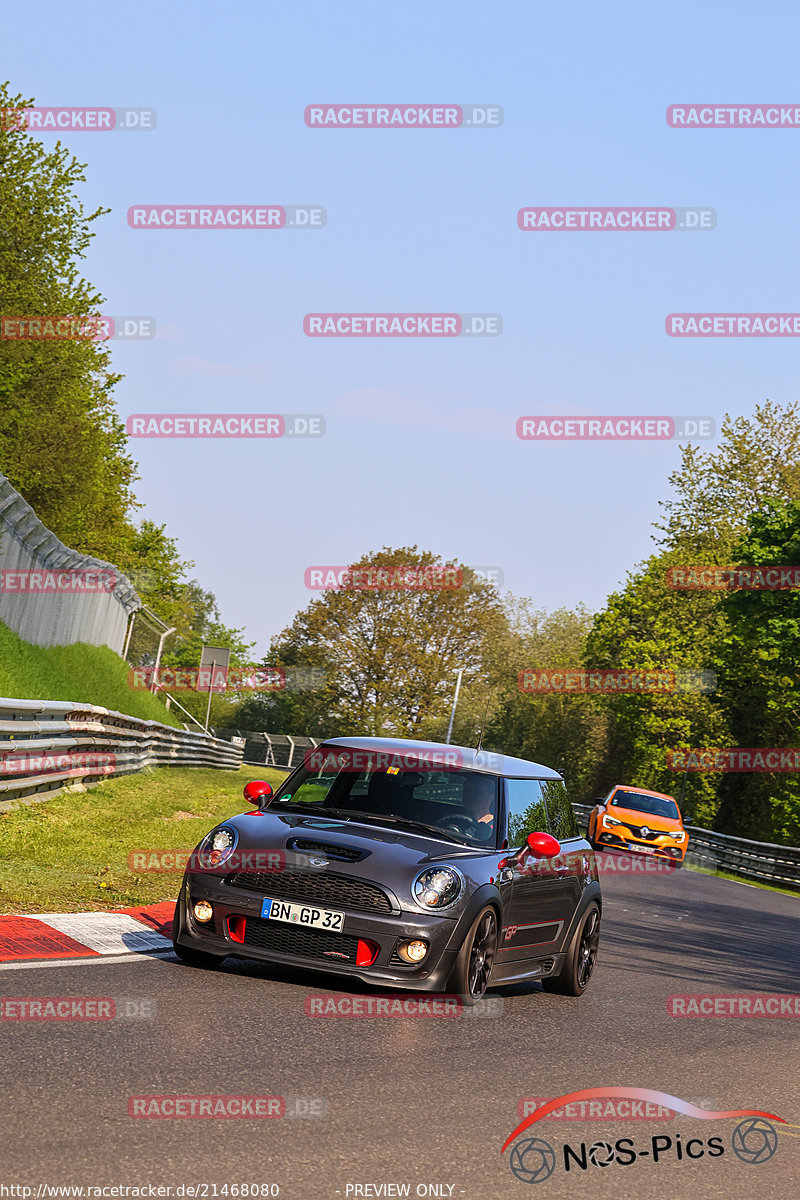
(533, 1160)
(754, 1140)
(601, 1154)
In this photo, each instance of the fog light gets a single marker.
(412, 952)
(203, 911)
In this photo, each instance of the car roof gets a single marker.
(486, 761)
(641, 792)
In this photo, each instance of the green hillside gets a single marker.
(90, 674)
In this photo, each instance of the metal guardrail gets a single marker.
(762, 861)
(52, 617)
(47, 745)
(270, 749)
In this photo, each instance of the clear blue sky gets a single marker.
(421, 444)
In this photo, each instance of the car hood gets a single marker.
(367, 850)
(635, 817)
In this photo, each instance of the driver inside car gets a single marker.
(479, 799)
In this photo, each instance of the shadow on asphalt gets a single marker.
(738, 947)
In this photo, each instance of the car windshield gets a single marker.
(654, 806)
(462, 805)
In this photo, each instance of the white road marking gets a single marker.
(104, 932)
(102, 960)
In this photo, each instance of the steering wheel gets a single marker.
(461, 823)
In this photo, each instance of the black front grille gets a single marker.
(306, 943)
(650, 836)
(320, 887)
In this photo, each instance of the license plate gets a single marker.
(303, 914)
(645, 849)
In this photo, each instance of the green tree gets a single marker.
(62, 444)
(757, 459)
(567, 732)
(758, 659)
(387, 656)
(648, 623)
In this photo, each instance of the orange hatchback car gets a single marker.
(632, 818)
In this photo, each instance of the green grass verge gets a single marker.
(88, 674)
(70, 854)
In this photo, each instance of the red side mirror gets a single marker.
(542, 845)
(258, 792)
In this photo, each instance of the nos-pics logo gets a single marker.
(754, 1139)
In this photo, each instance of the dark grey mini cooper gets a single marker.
(409, 864)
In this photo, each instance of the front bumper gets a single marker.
(440, 932)
(672, 850)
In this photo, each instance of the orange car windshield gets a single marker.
(654, 806)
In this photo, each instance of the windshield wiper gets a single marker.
(445, 834)
(305, 807)
(348, 814)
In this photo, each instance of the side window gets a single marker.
(527, 812)
(562, 819)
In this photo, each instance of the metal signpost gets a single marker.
(214, 663)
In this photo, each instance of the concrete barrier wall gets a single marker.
(64, 604)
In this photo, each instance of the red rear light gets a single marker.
(366, 953)
(236, 928)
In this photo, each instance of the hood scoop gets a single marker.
(329, 849)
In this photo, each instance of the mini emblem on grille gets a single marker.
(334, 954)
(645, 831)
(317, 862)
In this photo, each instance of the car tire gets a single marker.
(473, 966)
(190, 956)
(574, 976)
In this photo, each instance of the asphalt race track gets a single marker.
(422, 1102)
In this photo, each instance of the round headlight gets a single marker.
(203, 911)
(437, 887)
(218, 846)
